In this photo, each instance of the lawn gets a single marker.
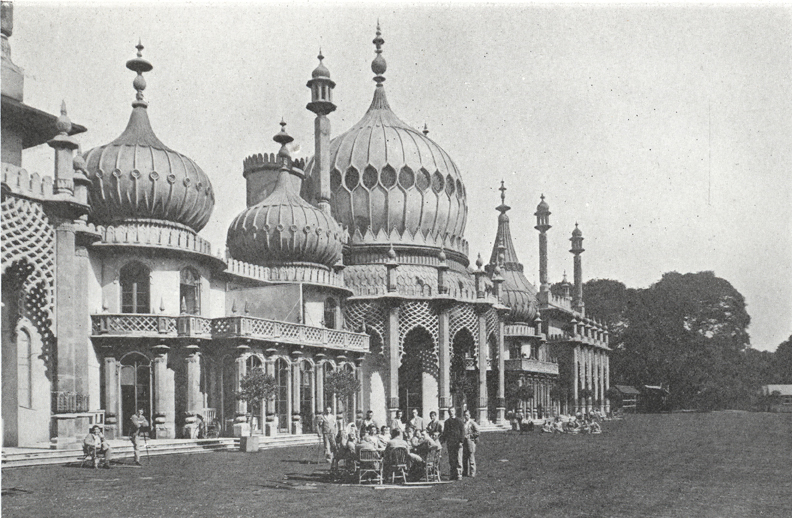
(674, 465)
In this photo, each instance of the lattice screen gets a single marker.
(462, 316)
(413, 314)
(492, 322)
(358, 315)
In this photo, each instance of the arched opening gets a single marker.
(282, 397)
(256, 410)
(307, 396)
(330, 308)
(464, 372)
(135, 289)
(418, 373)
(190, 292)
(135, 388)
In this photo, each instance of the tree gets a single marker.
(343, 384)
(256, 387)
(522, 393)
(782, 362)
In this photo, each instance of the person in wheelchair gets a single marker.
(95, 444)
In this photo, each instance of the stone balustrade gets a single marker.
(152, 233)
(531, 365)
(293, 273)
(32, 185)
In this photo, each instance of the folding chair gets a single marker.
(432, 466)
(370, 463)
(89, 456)
(398, 464)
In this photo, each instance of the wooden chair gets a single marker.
(370, 463)
(89, 457)
(432, 466)
(397, 462)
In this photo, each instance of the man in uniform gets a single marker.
(469, 446)
(139, 426)
(453, 435)
(327, 429)
(95, 442)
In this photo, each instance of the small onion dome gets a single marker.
(543, 206)
(320, 70)
(284, 228)
(577, 232)
(136, 176)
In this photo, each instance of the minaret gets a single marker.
(322, 104)
(543, 225)
(577, 249)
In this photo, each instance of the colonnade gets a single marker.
(591, 371)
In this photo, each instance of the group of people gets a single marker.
(574, 424)
(99, 448)
(419, 438)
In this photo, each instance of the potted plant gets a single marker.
(256, 387)
(343, 384)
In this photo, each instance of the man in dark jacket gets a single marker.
(139, 427)
(453, 436)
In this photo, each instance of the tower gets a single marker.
(543, 225)
(577, 249)
(322, 104)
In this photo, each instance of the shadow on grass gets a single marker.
(11, 491)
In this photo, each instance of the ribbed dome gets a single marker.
(284, 228)
(386, 178)
(138, 177)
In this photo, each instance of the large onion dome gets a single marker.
(137, 177)
(284, 228)
(391, 183)
(517, 292)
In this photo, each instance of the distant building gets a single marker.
(629, 398)
(353, 260)
(778, 397)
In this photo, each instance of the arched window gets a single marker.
(135, 289)
(190, 292)
(25, 369)
(330, 313)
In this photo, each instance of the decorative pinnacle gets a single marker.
(425, 130)
(139, 65)
(502, 189)
(379, 66)
(63, 124)
(282, 137)
(479, 261)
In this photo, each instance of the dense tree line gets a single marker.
(687, 332)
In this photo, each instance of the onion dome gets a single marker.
(577, 232)
(516, 291)
(391, 183)
(284, 228)
(136, 176)
(321, 70)
(543, 206)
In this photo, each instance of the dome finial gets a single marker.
(503, 208)
(379, 66)
(502, 189)
(139, 65)
(63, 124)
(283, 138)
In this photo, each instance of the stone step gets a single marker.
(29, 457)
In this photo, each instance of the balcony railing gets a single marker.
(70, 402)
(144, 325)
(529, 365)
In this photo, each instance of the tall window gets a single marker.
(190, 292)
(330, 313)
(135, 290)
(25, 369)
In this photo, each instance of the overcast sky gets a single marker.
(665, 132)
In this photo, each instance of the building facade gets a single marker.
(352, 260)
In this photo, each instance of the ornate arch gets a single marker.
(414, 314)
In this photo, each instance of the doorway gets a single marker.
(135, 388)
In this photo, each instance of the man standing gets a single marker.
(469, 446)
(434, 426)
(95, 442)
(363, 426)
(139, 426)
(397, 423)
(417, 421)
(327, 429)
(453, 435)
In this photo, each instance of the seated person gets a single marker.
(572, 426)
(397, 441)
(585, 427)
(95, 442)
(547, 427)
(595, 428)
(558, 426)
(428, 443)
(384, 436)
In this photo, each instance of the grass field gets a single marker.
(725, 464)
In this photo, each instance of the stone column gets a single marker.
(575, 376)
(482, 371)
(392, 341)
(296, 425)
(320, 404)
(268, 417)
(194, 399)
(501, 405)
(164, 421)
(65, 265)
(112, 401)
(444, 358)
(590, 380)
(241, 426)
(607, 380)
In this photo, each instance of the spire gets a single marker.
(504, 246)
(379, 66)
(139, 65)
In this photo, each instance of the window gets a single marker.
(135, 290)
(330, 313)
(25, 369)
(190, 292)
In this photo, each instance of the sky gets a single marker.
(663, 131)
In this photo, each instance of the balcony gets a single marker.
(520, 330)
(289, 333)
(529, 365)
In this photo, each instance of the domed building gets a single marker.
(350, 265)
